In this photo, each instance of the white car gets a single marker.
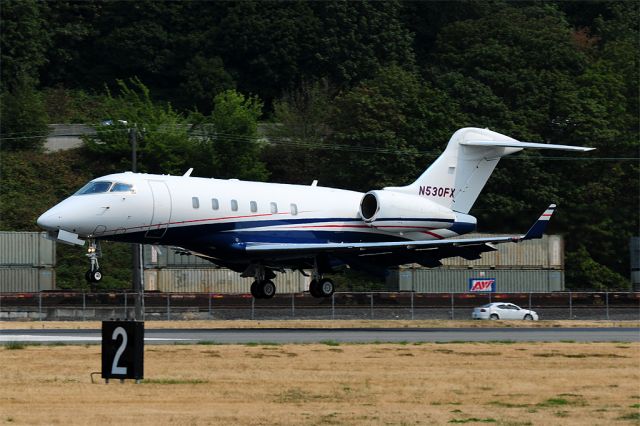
(503, 311)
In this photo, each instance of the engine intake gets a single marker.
(399, 212)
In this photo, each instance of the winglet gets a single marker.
(538, 228)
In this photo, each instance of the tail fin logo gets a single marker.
(436, 191)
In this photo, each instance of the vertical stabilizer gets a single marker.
(456, 178)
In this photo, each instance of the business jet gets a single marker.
(259, 228)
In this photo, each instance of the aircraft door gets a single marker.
(161, 209)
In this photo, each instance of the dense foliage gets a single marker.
(356, 94)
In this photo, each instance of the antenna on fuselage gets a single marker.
(315, 182)
(188, 173)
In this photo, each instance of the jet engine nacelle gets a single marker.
(398, 212)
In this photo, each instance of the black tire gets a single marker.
(313, 288)
(268, 289)
(255, 290)
(528, 317)
(494, 317)
(95, 276)
(87, 276)
(326, 288)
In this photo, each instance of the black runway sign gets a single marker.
(123, 350)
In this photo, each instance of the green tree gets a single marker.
(203, 79)
(23, 119)
(386, 130)
(23, 44)
(267, 45)
(602, 198)
(74, 55)
(230, 138)
(356, 39)
(299, 133)
(163, 139)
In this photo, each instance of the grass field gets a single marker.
(329, 383)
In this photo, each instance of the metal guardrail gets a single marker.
(366, 305)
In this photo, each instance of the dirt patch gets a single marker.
(41, 325)
(519, 383)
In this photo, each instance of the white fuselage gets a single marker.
(180, 210)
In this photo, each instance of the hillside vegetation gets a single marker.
(358, 95)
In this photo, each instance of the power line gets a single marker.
(293, 142)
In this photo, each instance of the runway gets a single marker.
(349, 335)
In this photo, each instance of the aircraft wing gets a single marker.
(468, 248)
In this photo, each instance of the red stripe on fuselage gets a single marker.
(433, 234)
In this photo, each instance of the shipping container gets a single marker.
(211, 280)
(156, 256)
(544, 253)
(22, 249)
(634, 252)
(442, 280)
(27, 280)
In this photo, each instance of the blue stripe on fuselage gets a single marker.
(221, 235)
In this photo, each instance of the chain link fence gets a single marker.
(48, 306)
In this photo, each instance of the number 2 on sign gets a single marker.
(114, 367)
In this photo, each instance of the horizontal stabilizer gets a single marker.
(516, 144)
(538, 228)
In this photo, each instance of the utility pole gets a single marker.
(137, 248)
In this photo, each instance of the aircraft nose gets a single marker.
(49, 221)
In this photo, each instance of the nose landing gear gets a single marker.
(94, 274)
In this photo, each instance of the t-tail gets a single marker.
(457, 177)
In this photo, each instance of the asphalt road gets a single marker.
(353, 335)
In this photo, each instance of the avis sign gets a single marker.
(482, 285)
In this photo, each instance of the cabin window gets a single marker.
(195, 202)
(215, 204)
(234, 205)
(94, 188)
(294, 209)
(274, 207)
(254, 206)
(121, 187)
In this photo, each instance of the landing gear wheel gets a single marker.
(326, 288)
(263, 289)
(313, 288)
(268, 289)
(255, 290)
(93, 276)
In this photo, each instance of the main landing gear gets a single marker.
(94, 274)
(322, 287)
(263, 289)
(319, 286)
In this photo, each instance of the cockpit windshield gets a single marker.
(94, 188)
(121, 187)
(102, 186)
